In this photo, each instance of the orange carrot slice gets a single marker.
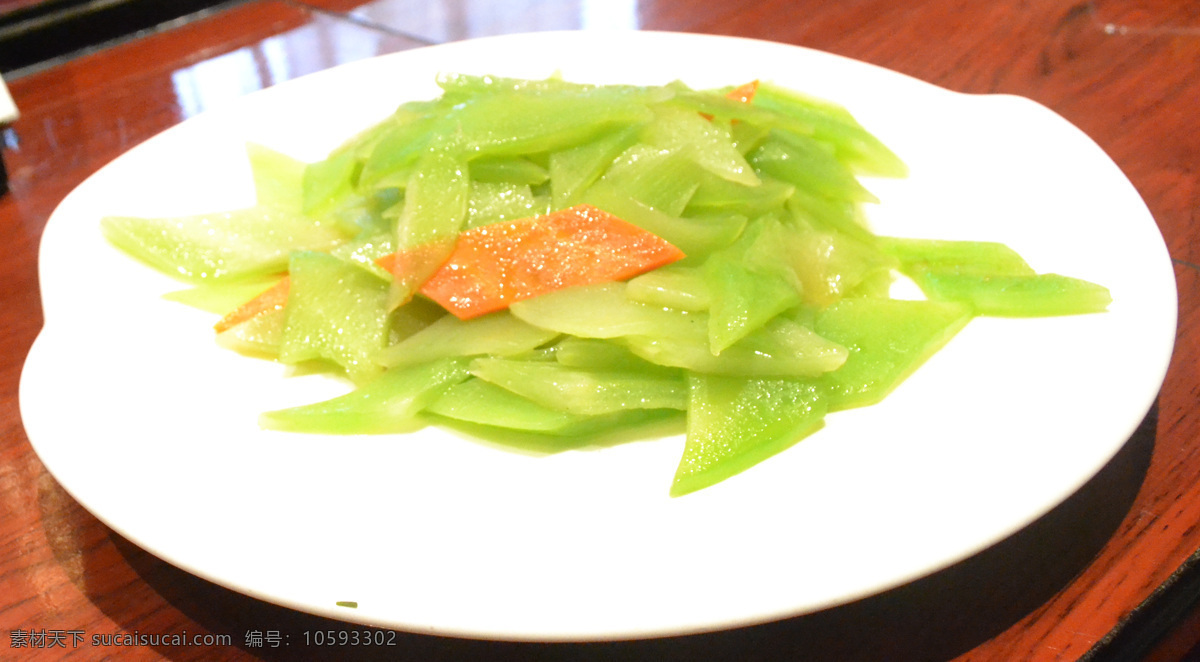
(274, 297)
(744, 93)
(495, 265)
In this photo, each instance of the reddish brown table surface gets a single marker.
(1128, 74)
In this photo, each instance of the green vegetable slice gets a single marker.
(888, 340)
(244, 243)
(387, 405)
(581, 391)
(734, 424)
(336, 312)
(498, 334)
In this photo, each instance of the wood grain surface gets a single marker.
(1127, 73)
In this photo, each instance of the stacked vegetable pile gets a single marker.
(538, 257)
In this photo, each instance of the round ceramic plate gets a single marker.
(153, 428)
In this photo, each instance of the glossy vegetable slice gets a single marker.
(510, 122)
(782, 348)
(498, 334)
(243, 243)
(573, 170)
(749, 283)
(388, 404)
(659, 178)
(493, 266)
(682, 131)
(833, 124)
(888, 340)
(483, 403)
(735, 423)
(494, 202)
(1040, 295)
(808, 164)
(993, 279)
(584, 391)
(696, 238)
(435, 208)
(335, 312)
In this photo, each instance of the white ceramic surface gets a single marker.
(8, 109)
(152, 427)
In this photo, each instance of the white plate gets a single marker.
(152, 427)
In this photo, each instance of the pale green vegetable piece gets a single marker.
(387, 405)
(583, 391)
(243, 243)
(277, 177)
(336, 312)
(498, 334)
(783, 348)
(673, 286)
(686, 132)
(734, 424)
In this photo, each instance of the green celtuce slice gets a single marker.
(328, 181)
(397, 151)
(581, 391)
(574, 169)
(842, 216)
(888, 340)
(682, 131)
(412, 317)
(749, 283)
(278, 178)
(605, 311)
(673, 286)
(514, 122)
(221, 296)
(782, 348)
(831, 264)
(832, 124)
(593, 353)
(963, 257)
(993, 279)
(508, 170)
(494, 409)
(388, 404)
(494, 202)
(483, 403)
(365, 249)
(260, 335)
(808, 164)
(696, 238)
(498, 334)
(244, 243)
(720, 196)
(659, 178)
(1040, 295)
(335, 312)
(459, 87)
(435, 200)
(680, 339)
(733, 424)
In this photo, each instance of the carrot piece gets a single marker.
(272, 298)
(495, 265)
(744, 93)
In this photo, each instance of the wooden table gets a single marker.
(1127, 73)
